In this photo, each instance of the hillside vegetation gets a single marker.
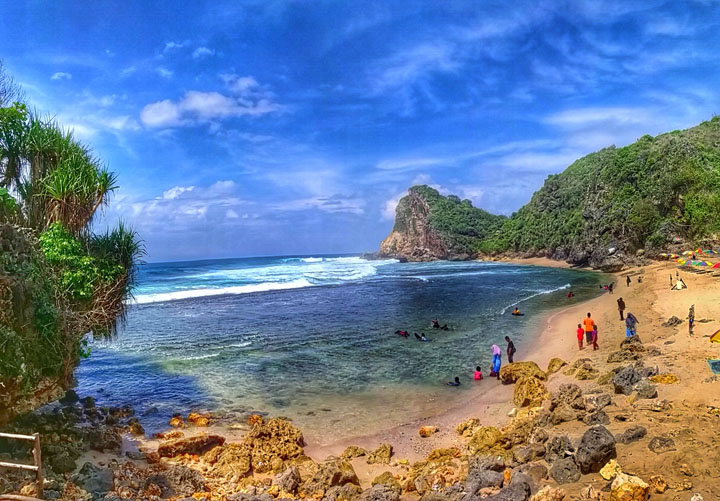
(606, 206)
(58, 280)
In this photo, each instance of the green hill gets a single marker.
(610, 206)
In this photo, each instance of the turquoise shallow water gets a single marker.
(312, 338)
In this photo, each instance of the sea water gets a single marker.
(312, 337)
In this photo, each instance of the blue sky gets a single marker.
(293, 127)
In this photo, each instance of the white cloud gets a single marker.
(164, 72)
(201, 52)
(410, 66)
(231, 214)
(201, 107)
(172, 45)
(387, 212)
(61, 75)
(176, 191)
(409, 163)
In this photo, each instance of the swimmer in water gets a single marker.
(454, 383)
(423, 338)
(517, 313)
(478, 374)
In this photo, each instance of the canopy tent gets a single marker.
(715, 338)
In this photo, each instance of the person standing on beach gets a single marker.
(621, 308)
(595, 337)
(627, 280)
(630, 322)
(510, 349)
(496, 361)
(691, 318)
(580, 331)
(610, 287)
(589, 324)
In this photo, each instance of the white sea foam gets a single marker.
(538, 293)
(239, 289)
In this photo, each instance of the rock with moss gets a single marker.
(510, 373)
(380, 455)
(529, 391)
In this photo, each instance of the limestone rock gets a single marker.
(484, 439)
(353, 451)
(628, 488)
(548, 493)
(176, 481)
(426, 431)
(97, 481)
(658, 483)
(481, 479)
(289, 480)
(467, 428)
(567, 394)
(380, 455)
(562, 414)
(380, 492)
(177, 421)
(199, 420)
(193, 445)
(529, 391)
(271, 441)
(558, 447)
(610, 470)
(599, 417)
(347, 492)
(555, 365)
(596, 448)
(387, 479)
(510, 373)
(330, 474)
(586, 371)
(565, 471)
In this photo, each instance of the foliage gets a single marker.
(638, 196)
(80, 273)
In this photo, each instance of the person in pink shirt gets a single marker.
(478, 373)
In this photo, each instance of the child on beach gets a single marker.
(478, 374)
(454, 383)
(595, 337)
(580, 332)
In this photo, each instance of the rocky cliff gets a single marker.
(606, 210)
(429, 226)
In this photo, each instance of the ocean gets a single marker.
(312, 338)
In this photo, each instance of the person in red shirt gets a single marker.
(580, 332)
(478, 373)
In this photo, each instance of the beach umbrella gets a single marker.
(664, 254)
(687, 253)
(701, 263)
(674, 256)
(716, 265)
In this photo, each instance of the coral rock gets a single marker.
(555, 365)
(177, 422)
(193, 445)
(426, 431)
(353, 451)
(610, 470)
(484, 439)
(529, 391)
(658, 483)
(628, 488)
(548, 493)
(467, 428)
(510, 373)
(380, 455)
(198, 419)
(665, 379)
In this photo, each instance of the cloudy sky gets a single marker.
(266, 127)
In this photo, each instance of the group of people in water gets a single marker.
(496, 363)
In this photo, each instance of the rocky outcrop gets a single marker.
(429, 226)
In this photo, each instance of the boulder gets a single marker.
(481, 479)
(93, 479)
(529, 391)
(103, 438)
(567, 394)
(555, 365)
(631, 342)
(632, 434)
(565, 471)
(558, 447)
(526, 453)
(625, 380)
(510, 373)
(193, 445)
(562, 414)
(628, 488)
(599, 417)
(272, 442)
(353, 451)
(380, 455)
(484, 439)
(329, 474)
(387, 479)
(488, 462)
(177, 421)
(539, 436)
(622, 356)
(586, 371)
(200, 420)
(467, 428)
(288, 481)
(596, 448)
(347, 492)
(645, 389)
(62, 463)
(536, 471)
(660, 445)
(380, 492)
(672, 322)
(426, 431)
(177, 481)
